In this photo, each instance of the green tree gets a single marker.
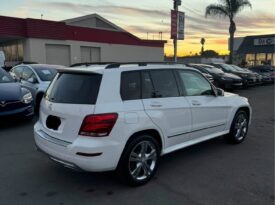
(209, 54)
(228, 9)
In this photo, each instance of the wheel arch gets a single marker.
(152, 132)
(246, 109)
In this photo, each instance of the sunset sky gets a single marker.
(153, 16)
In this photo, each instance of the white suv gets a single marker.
(124, 117)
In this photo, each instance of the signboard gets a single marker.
(264, 41)
(174, 24)
(181, 21)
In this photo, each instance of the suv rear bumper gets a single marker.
(100, 154)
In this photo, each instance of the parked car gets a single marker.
(267, 72)
(248, 78)
(204, 72)
(15, 101)
(123, 118)
(221, 79)
(35, 77)
(258, 77)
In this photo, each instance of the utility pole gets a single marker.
(177, 3)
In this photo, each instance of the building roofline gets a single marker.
(59, 30)
(80, 18)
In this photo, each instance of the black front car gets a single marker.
(15, 101)
(228, 81)
(221, 79)
(247, 78)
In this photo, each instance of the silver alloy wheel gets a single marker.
(240, 127)
(142, 160)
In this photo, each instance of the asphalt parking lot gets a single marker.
(212, 172)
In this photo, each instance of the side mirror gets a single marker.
(220, 92)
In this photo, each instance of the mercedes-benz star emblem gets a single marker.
(3, 103)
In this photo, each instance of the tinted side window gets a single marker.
(164, 83)
(195, 84)
(27, 74)
(130, 85)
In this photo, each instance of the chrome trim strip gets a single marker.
(54, 140)
(196, 130)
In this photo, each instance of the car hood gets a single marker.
(232, 76)
(10, 91)
(227, 94)
(245, 73)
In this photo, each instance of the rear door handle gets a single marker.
(196, 103)
(155, 104)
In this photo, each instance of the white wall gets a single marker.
(35, 50)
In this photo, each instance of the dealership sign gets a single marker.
(181, 19)
(264, 41)
(174, 24)
(177, 25)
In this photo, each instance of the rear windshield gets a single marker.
(44, 73)
(74, 88)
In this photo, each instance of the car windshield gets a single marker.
(212, 69)
(228, 67)
(264, 68)
(268, 68)
(199, 68)
(237, 68)
(5, 77)
(45, 73)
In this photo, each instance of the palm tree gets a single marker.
(202, 45)
(228, 8)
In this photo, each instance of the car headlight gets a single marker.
(27, 98)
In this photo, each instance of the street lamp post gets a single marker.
(177, 3)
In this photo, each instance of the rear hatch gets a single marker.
(69, 98)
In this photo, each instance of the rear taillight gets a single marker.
(273, 74)
(99, 125)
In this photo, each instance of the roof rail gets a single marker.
(91, 63)
(117, 65)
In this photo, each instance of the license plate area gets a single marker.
(53, 122)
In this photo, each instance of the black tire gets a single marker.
(127, 168)
(239, 128)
